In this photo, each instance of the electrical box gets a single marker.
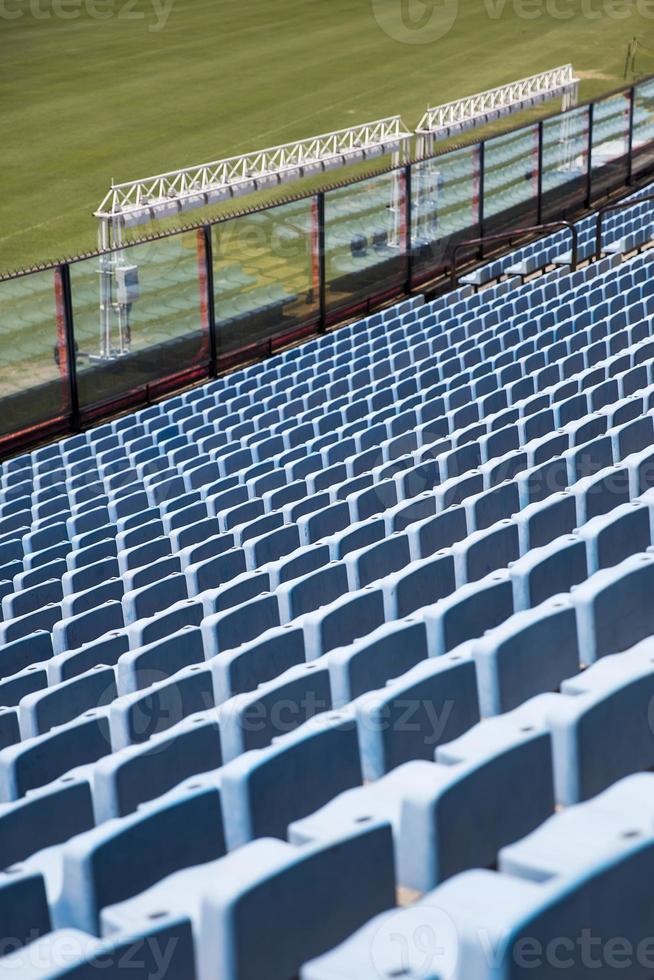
(127, 284)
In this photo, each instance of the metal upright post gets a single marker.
(322, 312)
(71, 364)
(630, 137)
(539, 203)
(481, 192)
(211, 300)
(589, 154)
(408, 246)
(105, 272)
(397, 161)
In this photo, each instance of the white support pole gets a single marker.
(396, 203)
(567, 134)
(105, 286)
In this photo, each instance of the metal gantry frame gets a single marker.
(165, 195)
(452, 118)
(178, 191)
(170, 194)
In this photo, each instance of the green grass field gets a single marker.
(84, 100)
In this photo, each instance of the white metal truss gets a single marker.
(455, 117)
(166, 195)
(140, 201)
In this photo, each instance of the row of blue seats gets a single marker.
(516, 747)
(533, 911)
(625, 579)
(378, 559)
(517, 743)
(153, 695)
(52, 452)
(554, 248)
(9, 543)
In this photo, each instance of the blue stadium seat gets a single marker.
(377, 560)
(431, 703)
(270, 875)
(265, 789)
(342, 621)
(622, 532)
(370, 662)
(531, 653)
(104, 651)
(239, 624)
(40, 711)
(433, 534)
(139, 668)
(45, 817)
(484, 551)
(170, 941)
(39, 760)
(136, 717)
(141, 772)
(544, 572)
(307, 592)
(468, 612)
(427, 803)
(253, 720)
(24, 911)
(613, 611)
(122, 857)
(601, 726)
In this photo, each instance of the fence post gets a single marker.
(630, 145)
(539, 203)
(408, 248)
(207, 272)
(69, 334)
(482, 192)
(320, 212)
(589, 175)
